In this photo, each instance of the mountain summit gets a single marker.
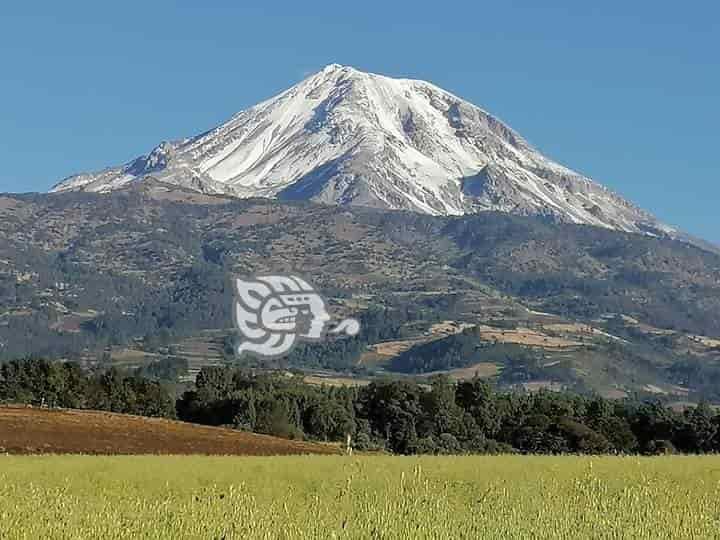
(343, 136)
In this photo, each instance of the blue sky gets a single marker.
(626, 92)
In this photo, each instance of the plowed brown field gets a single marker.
(25, 430)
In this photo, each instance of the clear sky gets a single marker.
(625, 92)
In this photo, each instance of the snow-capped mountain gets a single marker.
(343, 136)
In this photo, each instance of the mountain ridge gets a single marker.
(343, 136)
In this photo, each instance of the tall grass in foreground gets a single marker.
(363, 497)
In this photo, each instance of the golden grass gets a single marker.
(481, 369)
(394, 348)
(363, 497)
(525, 336)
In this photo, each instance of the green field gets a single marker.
(362, 497)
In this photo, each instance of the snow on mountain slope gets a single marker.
(343, 136)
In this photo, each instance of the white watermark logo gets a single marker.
(274, 313)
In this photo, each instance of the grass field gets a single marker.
(361, 497)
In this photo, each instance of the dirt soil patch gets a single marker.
(26, 430)
(525, 336)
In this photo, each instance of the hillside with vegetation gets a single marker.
(139, 279)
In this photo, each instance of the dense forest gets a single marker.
(397, 416)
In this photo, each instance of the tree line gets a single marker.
(398, 416)
(40, 382)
